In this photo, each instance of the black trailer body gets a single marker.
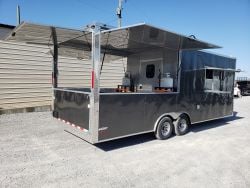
(126, 114)
(206, 90)
(73, 107)
(171, 82)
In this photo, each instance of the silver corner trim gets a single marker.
(73, 91)
(124, 27)
(118, 137)
(212, 119)
(140, 93)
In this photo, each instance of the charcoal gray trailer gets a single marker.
(168, 83)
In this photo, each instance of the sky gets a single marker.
(222, 22)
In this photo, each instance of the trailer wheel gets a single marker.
(164, 128)
(181, 125)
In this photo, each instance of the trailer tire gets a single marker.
(181, 125)
(164, 128)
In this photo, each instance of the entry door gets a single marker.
(150, 71)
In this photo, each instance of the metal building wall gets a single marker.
(112, 73)
(25, 75)
(4, 31)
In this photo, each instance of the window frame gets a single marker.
(222, 79)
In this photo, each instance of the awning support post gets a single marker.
(54, 67)
(55, 57)
(95, 81)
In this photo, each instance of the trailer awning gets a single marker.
(42, 35)
(119, 42)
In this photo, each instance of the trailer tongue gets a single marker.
(141, 79)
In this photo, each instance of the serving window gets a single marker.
(218, 80)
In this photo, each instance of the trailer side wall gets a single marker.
(72, 107)
(203, 104)
(127, 114)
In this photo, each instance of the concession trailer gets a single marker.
(168, 81)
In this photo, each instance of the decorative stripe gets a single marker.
(73, 125)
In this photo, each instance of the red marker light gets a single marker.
(92, 79)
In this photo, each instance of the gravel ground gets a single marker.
(35, 151)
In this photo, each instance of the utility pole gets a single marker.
(18, 20)
(119, 13)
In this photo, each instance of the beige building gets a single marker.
(25, 75)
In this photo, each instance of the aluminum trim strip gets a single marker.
(132, 93)
(213, 68)
(212, 119)
(216, 68)
(115, 138)
(213, 91)
(124, 27)
(73, 91)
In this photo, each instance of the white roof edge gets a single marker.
(216, 68)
